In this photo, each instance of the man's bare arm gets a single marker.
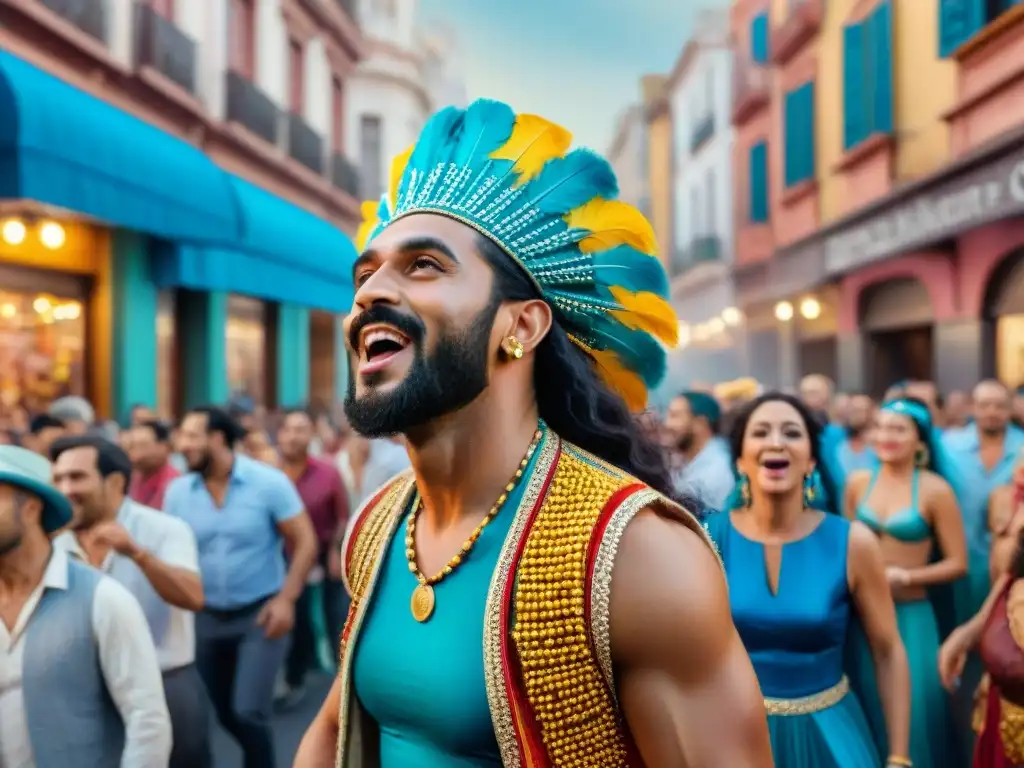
(686, 684)
(319, 746)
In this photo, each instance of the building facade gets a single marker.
(902, 232)
(408, 73)
(174, 201)
(698, 95)
(629, 158)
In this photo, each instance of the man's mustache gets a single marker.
(383, 314)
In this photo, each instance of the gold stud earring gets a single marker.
(514, 348)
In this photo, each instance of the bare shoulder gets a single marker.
(858, 479)
(863, 544)
(936, 490)
(668, 588)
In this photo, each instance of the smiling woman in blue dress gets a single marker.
(913, 511)
(797, 579)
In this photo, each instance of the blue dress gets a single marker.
(796, 639)
(930, 723)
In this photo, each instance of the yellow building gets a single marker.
(660, 161)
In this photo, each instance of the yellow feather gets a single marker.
(647, 312)
(397, 172)
(628, 385)
(612, 223)
(370, 222)
(533, 142)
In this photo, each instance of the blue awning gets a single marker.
(286, 254)
(63, 146)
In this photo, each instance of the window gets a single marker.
(297, 71)
(960, 20)
(166, 373)
(246, 348)
(242, 37)
(799, 135)
(759, 38)
(712, 208)
(337, 114)
(868, 77)
(371, 154)
(164, 8)
(758, 204)
(42, 348)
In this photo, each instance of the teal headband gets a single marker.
(703, 404)
(918, 412)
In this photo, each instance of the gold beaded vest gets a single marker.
(547, 648)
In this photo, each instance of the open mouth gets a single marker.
(379, 345)
(775, 465)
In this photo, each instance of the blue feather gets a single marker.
(627, 267)
(441, 130)
(568, 182)
(639, 352)
(486, 127)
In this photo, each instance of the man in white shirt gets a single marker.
(79, 676)
(156, 558)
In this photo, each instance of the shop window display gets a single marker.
(42, 349)
(247, 348)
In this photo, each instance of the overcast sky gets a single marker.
(577, 62)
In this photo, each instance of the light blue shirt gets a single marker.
(241, 555)
(853, 461)
(976, 482)
(709, 475)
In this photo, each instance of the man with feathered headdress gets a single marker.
(509, 314)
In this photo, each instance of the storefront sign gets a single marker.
(981, 196)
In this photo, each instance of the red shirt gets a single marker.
(323, 494)
(150, 490)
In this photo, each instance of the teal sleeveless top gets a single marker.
(906, 525)
(423, 684)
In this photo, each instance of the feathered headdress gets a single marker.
(594, 259)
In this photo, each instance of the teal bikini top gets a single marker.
(905, 525)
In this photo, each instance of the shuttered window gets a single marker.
(798, 114)
(868, 99)
(959, 20)
(759, 38)
(758, 167)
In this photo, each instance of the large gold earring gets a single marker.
(514, 348)
(923, 457)
(744, 489)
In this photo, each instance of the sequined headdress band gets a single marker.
(513, 179)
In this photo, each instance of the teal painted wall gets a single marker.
(292, 355)
(135, 300)
(203, 327)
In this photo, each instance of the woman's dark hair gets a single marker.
(574, 402)
(938, 460)
(1017, 563)
(814, 432)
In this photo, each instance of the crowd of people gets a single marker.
(223, 538)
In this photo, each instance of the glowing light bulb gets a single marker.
(784, 311)
(14, 232)
(52, 235)
(810, 308)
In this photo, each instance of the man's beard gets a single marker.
(202, 466)
(685, 441)
(450, 378)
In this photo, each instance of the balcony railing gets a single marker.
(702, 250)
(161, 45)
(90, 16)
(250, 107)
(344, 175)
(305, 144)
(803, 20)
(703, 130)
(750, 90)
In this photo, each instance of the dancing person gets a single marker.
(798, 576)
(243, 513)
(913, 511)
(998, 721)
(508, 309)
(155, 557)
(79, 675)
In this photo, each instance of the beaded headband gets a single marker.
(594, 259)
(915, 411)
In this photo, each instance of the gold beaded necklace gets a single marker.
(423, 600)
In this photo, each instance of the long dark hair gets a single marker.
(573, 401)
(814, 428)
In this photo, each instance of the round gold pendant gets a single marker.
(422, 603)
